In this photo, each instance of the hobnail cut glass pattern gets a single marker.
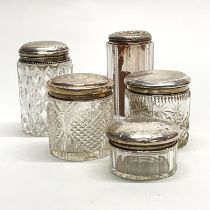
(144, 165)
(33, 94)
(174, 108)
(77, 129)
(123, 60)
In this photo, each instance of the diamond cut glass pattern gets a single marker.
(33, 93)
(77, 128)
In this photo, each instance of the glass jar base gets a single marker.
(79, 156)
(35, 133)
(143, 178)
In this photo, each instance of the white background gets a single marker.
(30, 178)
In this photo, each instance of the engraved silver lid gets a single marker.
(142, 134)
(44, 52)
(80, 86)
(130, 36)
(158, 82)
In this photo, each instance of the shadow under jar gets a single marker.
(79, 111)
(161, 94)
(143, 149)
(39, 61)
(127, 52)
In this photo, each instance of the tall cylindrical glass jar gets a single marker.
(127, 52)
(161, 94)
(39, 61)
(79, 111)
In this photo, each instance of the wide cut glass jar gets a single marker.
(39, 61)
(79, 111)
(162, 94)
(127, 52)
(143, 148)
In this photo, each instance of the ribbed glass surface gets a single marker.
(144, 165)
(125, 59)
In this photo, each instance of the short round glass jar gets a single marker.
(39, 61)
(161, 94)
(79, 111)
(143, 148)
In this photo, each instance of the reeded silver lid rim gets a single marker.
(134, 36)
(44, 52)
(143, 134)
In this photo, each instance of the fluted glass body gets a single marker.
(144, 165)
(77, 128)
(174, 108)
(123, 59)
(33, 93)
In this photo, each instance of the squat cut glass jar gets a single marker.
(79, 111)
(39, 61)
(143, 148)
(127, 52)
(161, 94)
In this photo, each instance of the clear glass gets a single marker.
(33, 94)
(77, 129)
(125, 59)
(174, 108)
(144, 165)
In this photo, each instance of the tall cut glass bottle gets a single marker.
(39, 61)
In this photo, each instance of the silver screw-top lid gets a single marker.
(44, 52)
(80, 86)
(130, 36)
(158, 82)
(142, 134)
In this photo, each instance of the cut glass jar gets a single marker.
(143, 148)
(161, 94)
(39, 61)
(79, 111)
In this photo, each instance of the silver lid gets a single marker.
(130, 36)
(158, 82)
(80, 86)
(44, 52)
(142, 134)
